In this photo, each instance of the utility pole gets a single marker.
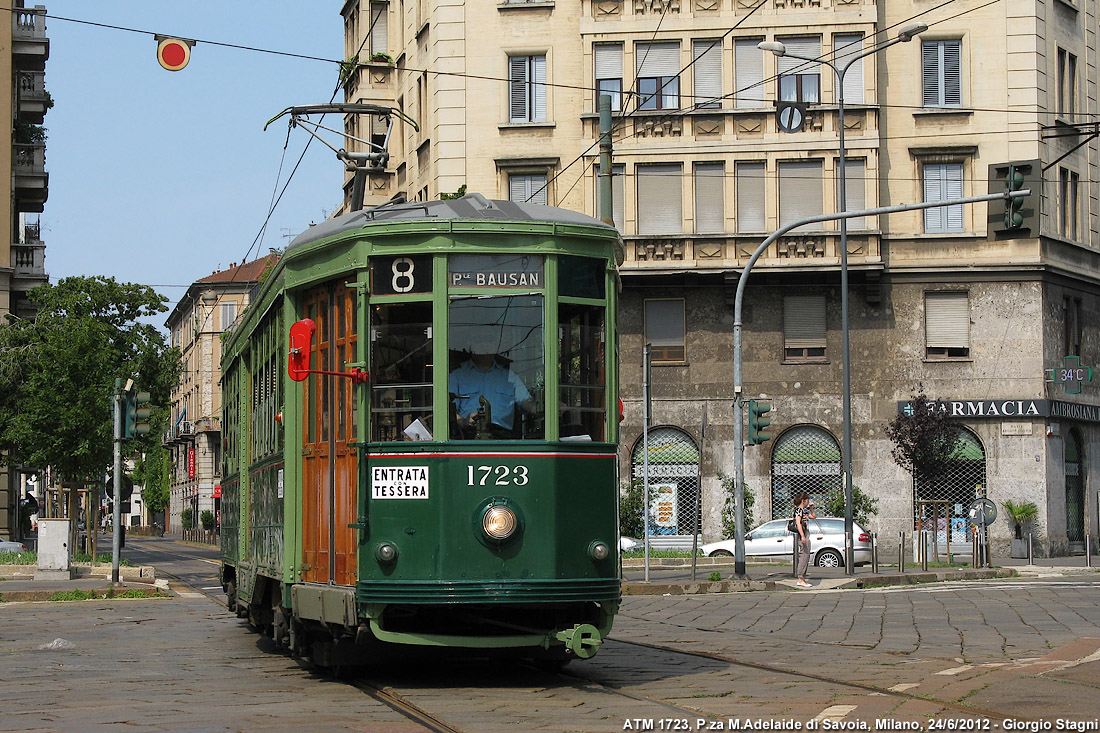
(116, 520)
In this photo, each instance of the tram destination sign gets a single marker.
(1010, 408)
(496, 271)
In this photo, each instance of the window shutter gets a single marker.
(803, 46)
(804, 321)
(379, 35)
(943, 181)
(947, 320)
(855, 190)
(530, 189)
(751, 185)
(517, 88)
(933, 191)
(708, 73)
(952, 78)
(800, 191)
(659, 200)
(844, 47)
(930, 72)
(748, 73)
(538, 88)
(709, 210)
(658, 59)
(953, 188)
(608, 60)
(664, 322)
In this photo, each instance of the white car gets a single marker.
(10, 546)
(826, 542)
(629, 544)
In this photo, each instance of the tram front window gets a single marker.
(401, 372)
(495, 382)
(582, 373)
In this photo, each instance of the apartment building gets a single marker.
(943, 301)
(24, 49)
(197, 324)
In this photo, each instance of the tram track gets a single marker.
(399, 704)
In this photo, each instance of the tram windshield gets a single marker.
(495, 380)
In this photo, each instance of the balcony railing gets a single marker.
(29, 261)
(31, 179)
(33, 98)
(724, 250)
(30, 47)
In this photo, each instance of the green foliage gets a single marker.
(1021, 513)
(729, 517)
(347, 68)
(153, 471)
(57, 372)
(863, 506)
(456, 195)
(18, 558)
(103, 558)
(631, 505)
(187, 518)
(25, 133)
(207, 519)
(714, 577)
(381, 57)
(925, 442)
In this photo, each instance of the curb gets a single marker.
(36, 596)
(742, 586)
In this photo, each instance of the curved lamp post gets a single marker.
(905, 35)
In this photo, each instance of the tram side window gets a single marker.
(401, 372)
(496, 379)
(582, 376)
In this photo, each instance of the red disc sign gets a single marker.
(173, 54)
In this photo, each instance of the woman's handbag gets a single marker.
(791, 527)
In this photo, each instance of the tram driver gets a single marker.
(483, 375)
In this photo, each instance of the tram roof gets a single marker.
(472, 206)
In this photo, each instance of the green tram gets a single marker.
(419, 435)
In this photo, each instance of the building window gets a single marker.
(1068, 185)
(845, 46)
(710, 217)
(800, 81)
(658, 75)
(618, 193)
(665, 329)
(609, 73)
(527, 188)
(1072, 309)
(942, 73)
(947, 325)
(708, 74)
(379, 28)
(855, 190)
(800, 192)
(748, 73)
(526, 88)
(751, 184)
(804, 328)
(660, 207)
(1067, 83)
(943, 181)
(229, 315)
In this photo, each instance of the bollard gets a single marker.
(1030, 549)
(1088, 550)
(974, 551)
(874, 553)
(923, 550)
(794, 556)
(901, 552)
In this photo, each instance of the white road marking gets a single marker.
(956, 670)
(835, 712)
(188, 594)
(212, 587)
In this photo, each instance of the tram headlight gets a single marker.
(599, 550)
(499, 522)
(385, 553)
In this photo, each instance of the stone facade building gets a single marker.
(943, 301)
(210, 307)
(24, 187)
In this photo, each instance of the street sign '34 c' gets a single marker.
(1071, 375)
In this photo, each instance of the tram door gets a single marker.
(329, 464)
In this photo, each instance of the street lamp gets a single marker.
(905, 35)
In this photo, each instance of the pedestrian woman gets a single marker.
(803, 512)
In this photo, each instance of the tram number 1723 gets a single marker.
(496, 475)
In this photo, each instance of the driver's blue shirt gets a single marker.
(500, 387)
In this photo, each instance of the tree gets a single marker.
(863, 506)
(729, 519)
(926, 438)
(153, 471)
(187, 518)
(57, 372)
(1021, 513)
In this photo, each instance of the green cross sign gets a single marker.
(1071, 374)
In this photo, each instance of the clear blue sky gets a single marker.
(162, 177)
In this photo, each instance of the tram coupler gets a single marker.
(583, 640)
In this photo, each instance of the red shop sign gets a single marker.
(190, 463)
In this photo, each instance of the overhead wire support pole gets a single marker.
(116, 478)
(738, 384)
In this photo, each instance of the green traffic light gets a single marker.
(136, 417)
(1014, 181)
(757, 422)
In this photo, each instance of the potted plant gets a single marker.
(1021, 513)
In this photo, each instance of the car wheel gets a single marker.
(829, 559)
(721, 553)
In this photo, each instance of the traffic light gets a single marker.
(757, 422)
(135, 416)
(1015, 217)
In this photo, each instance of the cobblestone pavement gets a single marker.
(959, 653)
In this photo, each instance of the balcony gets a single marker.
(208, 425)
(33, 99)
(32, 182)
(29, 46)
